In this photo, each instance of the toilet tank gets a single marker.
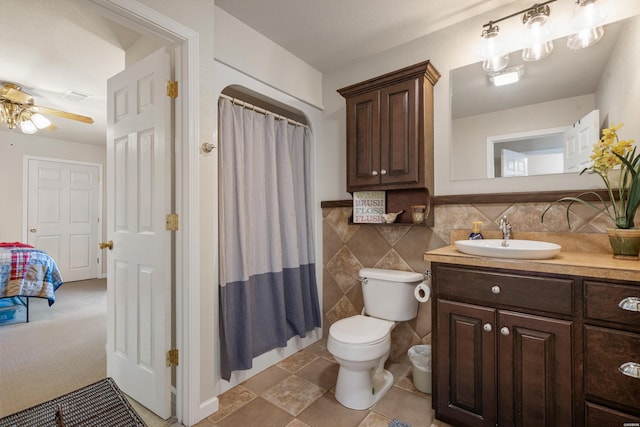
(389, 294)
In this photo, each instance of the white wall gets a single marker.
(447, 49)
(469, 139)
(14, 146)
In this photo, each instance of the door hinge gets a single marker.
(172, 222)
(172, 89)
(172, 357)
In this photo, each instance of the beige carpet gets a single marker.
(61, 349)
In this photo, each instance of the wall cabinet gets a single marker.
(518, 348)
(390, 130)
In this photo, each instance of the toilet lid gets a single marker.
(360, 330)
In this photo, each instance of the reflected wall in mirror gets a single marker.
(558, 93)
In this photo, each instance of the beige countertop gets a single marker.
(588, 264)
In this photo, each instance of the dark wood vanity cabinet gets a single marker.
(611, 352)
(390, 130)
(503, 348)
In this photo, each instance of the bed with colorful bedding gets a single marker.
(25, 272)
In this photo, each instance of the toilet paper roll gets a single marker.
(422, 292)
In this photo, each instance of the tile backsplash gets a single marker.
(349, 247)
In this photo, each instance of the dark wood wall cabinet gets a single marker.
(514, 348)
(390, 130)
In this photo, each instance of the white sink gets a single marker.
(520, 249)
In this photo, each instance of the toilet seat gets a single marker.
(360, 330)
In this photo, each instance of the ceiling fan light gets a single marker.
(585, 38)
(27, 126)
(40, 121)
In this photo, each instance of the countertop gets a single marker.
(588, 264)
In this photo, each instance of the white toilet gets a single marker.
(361, 344)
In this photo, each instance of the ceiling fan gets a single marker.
(17, 109)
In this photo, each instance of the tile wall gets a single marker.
(349, 247)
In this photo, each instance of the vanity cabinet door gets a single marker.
(466, 364)
(534, 374)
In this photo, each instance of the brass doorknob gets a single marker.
(108, 245)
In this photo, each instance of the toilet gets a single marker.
(361, 344)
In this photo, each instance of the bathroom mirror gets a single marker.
(552, 96)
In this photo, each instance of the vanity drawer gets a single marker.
(605, 351)
(602, 302)
(538, 293)
(598, 416)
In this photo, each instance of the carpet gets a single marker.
(96, 405)
(398, 423)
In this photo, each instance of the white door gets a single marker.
(579, 140)
(514, 163)
(63, 215)
(139, 265)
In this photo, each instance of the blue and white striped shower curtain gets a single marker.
(268, 290)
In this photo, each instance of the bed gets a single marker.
(25, 272)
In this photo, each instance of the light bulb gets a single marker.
(40, 121)
(27, 126)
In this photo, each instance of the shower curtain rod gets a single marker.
(262, 110)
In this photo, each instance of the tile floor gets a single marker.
(298, 392)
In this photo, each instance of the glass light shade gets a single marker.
(27, 126)
(495, 63)
(537, 51)
(537, 40)
(589, 14)
(40, 121)
(585, 38)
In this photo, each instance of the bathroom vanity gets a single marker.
(545, 343)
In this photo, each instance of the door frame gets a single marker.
(185, 42)
(25, 201)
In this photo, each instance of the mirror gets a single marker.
(553, 95)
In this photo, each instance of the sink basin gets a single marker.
(519, 249)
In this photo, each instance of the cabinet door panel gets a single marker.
(534, 371)
(363, 134)
(466, 363)
(399, 133)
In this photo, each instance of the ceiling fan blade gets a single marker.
(14, 95)
(63, 114)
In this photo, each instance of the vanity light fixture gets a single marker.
(507, 76)
(538, 36)
(492, 50)
(587, 20)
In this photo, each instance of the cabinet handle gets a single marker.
(630, 304)
(374, 173)
(495, 289)
(630, 369)
(504, 331)
(383, 172)
(487, 327)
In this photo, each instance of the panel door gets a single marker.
(363, 141)
(535, 370)
(139, 266)
(466, 363)
(62, 215)
(399, 140)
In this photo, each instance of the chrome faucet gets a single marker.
(505, 227)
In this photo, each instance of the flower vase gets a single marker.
(625, 243)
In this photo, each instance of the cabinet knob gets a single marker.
(495, 289)
(630, 304)
(504, 331)
(383, 172)
(630, 369)
(487, 327)
(374, 173)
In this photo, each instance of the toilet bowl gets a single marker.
(361, 344)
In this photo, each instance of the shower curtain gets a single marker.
(268, 291)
